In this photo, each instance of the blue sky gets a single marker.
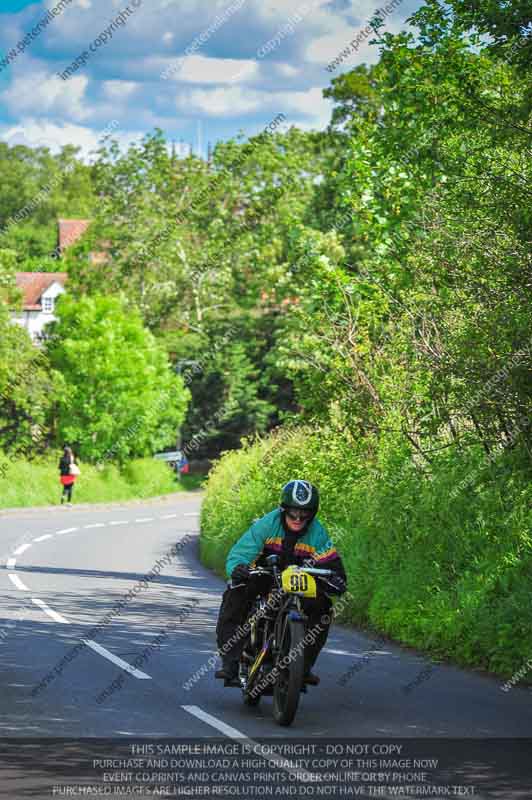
(230, 81)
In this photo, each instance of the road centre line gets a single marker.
(51, 613)
(137, 673)
(17, 582)
(11, 562)
(344, 653)
(227, 730)
(21, 549)
(233, 733)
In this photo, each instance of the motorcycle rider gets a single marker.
(293, 532)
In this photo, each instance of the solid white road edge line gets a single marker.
(21, 549)
(145, 519)
(42, 538)
(191, 514)
(169, 516)
(47, 610)
(119, 522)
(95, 525)
(233, 733)
(10, 563)
(17, 582)
(137, 673)
(66, 530)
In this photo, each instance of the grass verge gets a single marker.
(36, 483)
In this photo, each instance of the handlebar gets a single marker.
(325, 573)
(318, 572)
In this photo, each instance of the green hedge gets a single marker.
(36, 483)
(436, 566)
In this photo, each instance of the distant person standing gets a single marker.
(68, 471)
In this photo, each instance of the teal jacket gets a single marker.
(265, 537)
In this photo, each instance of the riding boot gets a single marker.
(229, 670)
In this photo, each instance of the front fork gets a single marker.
(293, 610)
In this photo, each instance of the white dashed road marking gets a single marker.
(123, 664)
(51, 613)
(227, 730)
(18, 583)
(137, 673)
(21, 549)
(344, 653)
(233, 733)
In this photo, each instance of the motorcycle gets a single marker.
(273, 658)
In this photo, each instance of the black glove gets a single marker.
(336, 585)
(240, 574)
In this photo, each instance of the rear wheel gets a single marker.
(287, 687)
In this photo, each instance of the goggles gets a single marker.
(298, 513)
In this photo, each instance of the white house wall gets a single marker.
(35, 321)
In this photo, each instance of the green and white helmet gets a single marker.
(300, 494)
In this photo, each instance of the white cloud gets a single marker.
(310, 104)
(325, 48)
(119, 90)
(223, 102)
(201, 69)
(39, 92)
(280, 10)
(288, 70)
(43, 133)
(238, 100)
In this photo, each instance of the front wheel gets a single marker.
(290, 664)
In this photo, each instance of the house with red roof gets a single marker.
(70, 231)
(40, 290)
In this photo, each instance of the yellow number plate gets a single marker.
(297, 581)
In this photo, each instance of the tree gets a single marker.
(199, 248)
(37, 188)
(118, 395)
(423, 328)
(26, 386)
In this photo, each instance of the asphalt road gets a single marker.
(65, 570)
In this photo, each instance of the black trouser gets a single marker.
(67, 491)
(235, 607)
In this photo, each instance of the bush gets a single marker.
(431, 564)
(36, 483)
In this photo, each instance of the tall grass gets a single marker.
(436, 566)
(36, 483)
